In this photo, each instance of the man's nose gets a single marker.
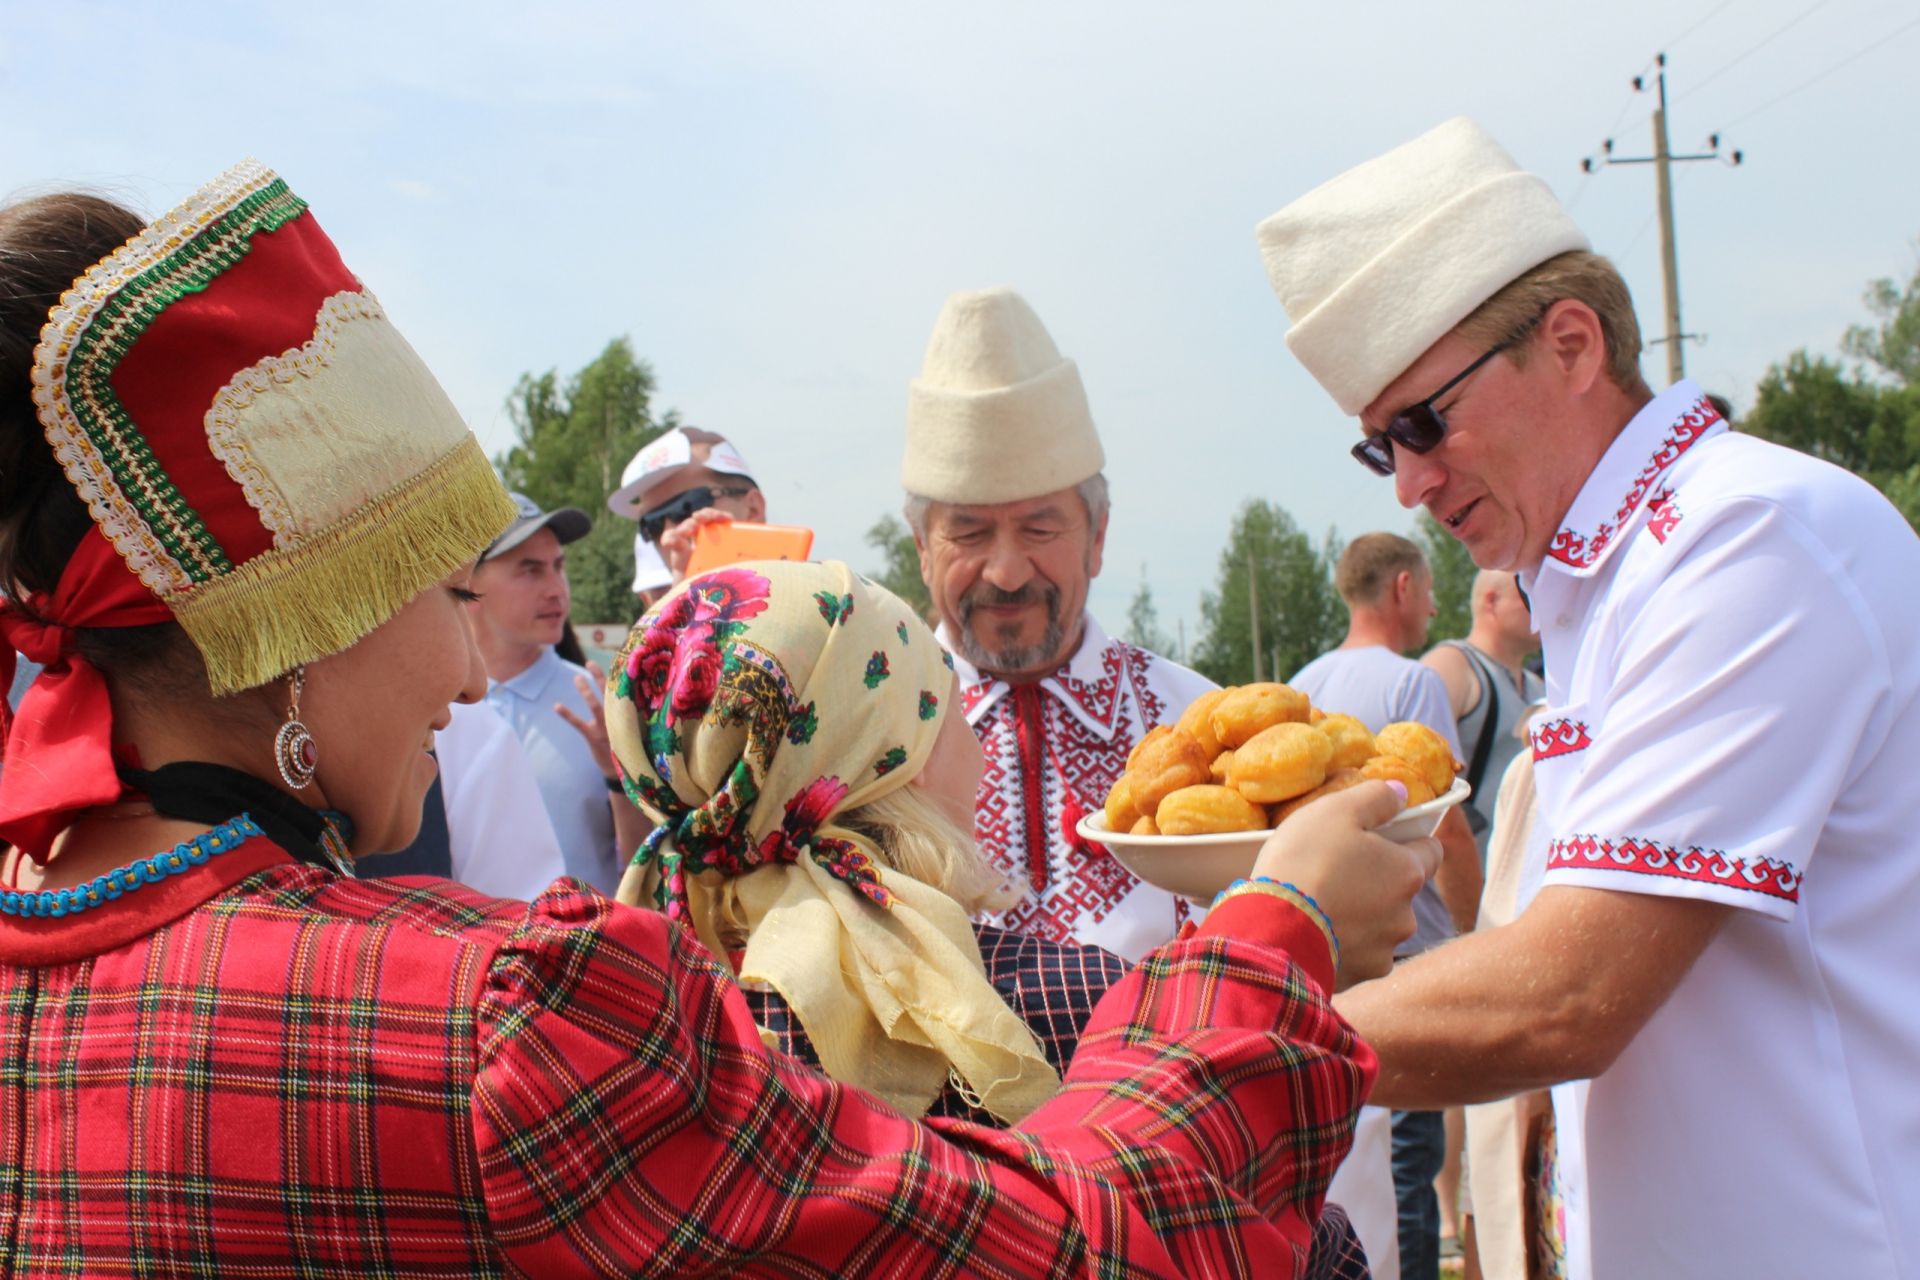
(1007, 567)
(1415, 477)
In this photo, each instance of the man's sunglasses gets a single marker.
(1420, 427)
(681, 505)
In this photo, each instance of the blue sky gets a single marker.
(773, 200)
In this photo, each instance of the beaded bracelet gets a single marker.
(1287, 892)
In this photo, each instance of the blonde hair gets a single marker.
(1579, 275)
(916, 838)
(1370, 564)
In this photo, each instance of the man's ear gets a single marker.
(1097, 551)
(920, 549)
(756, 507)
(1572, 337)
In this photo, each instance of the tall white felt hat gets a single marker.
(997, 414)
(1380, 263)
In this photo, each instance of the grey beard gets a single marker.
(1017, 659)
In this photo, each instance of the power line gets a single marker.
(1804, 14)
(1662, 160)
(1812, 80)
(1711, 15)
(1586, 179)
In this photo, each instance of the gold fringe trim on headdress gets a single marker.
(286, 607)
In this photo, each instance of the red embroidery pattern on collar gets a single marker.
(1579, 551)
(1769, 876)
(1559, 738)
(1065, 773)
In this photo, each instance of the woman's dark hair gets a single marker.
(46, 243)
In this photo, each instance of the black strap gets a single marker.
(1483, 749)
(196, 791)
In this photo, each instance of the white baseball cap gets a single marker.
(650, 571)
(662, 458)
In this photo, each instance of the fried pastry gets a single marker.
(1221, 764)
(1280, 762)
(1144, 827)
(1394, 769)
(1162, 764)
(1422, 748)
(1197, 720)
(1250, 708)
(1120, 811)
(1206, 809)
(1337, 780)
(1154, 734)
(1352, 743)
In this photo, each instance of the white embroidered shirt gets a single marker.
(1054, 748)
(1732, 635)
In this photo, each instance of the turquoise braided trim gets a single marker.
(183, 857)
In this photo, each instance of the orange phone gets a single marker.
(715, 545)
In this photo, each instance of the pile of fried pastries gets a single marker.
(1245, 758)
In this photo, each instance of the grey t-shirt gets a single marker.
(1378, 687)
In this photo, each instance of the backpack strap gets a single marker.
(1483, 747)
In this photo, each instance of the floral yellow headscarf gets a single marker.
(748, 709)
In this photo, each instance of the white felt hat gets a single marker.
(1379, 264)
(997, 414)
(666, 455)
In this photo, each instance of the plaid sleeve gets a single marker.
(629, 1122)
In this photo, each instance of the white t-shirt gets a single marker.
(1378, 687)
(497, 829)
(1732, 634)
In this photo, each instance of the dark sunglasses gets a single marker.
(681, 505)
(1420, 427)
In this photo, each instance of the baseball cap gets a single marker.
(569, 524)
(650, 571)
(662, 458)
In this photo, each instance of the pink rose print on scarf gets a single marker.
(806, 810)
(679, 657)
(695, 684)
(726, 598)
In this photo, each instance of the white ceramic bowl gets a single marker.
(1198, 867)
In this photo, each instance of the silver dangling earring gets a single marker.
(294, 749)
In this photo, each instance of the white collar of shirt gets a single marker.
(527, 685)
(1627, 476)
(1083, 686)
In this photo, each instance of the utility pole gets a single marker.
(1253, 613)
(1662, 161)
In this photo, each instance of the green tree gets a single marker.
(901, 574)
(572, 437)
(1865, 418)
(1143, 621)
(1301, 617)
(1453, 571)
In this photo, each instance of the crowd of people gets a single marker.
(351, 922)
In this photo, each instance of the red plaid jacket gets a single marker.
(261, 1069)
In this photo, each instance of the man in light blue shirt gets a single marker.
(1388, 587)
(521, 614)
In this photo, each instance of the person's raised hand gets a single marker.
(593, 725)
(1362, 880)
(676, 543)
